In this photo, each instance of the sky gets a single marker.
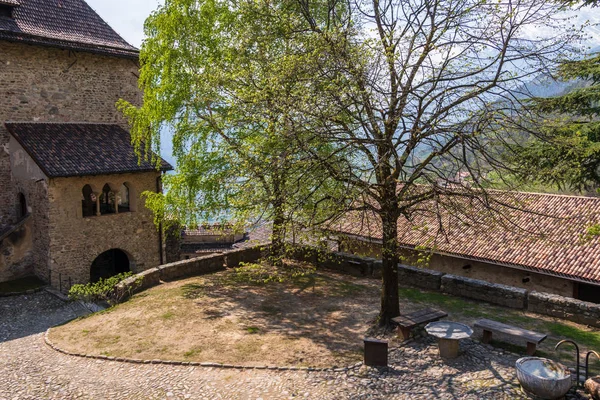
(126, 16)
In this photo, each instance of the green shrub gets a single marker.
(265, 273)
(105, 290)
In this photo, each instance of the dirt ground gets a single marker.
(318, 320)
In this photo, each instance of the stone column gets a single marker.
(117, 202)
(97, 195)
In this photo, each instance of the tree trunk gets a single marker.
(278, 237)
(390, 303)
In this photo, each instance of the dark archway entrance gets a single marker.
(109, 263)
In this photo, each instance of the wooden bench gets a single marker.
(407, 322)
(532, 338)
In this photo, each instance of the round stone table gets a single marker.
(449, 333)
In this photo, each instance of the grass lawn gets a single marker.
(21, 285)
(468, 312)
(312, 320)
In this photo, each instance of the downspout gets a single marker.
(160, 225)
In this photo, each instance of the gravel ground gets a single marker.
(31, 370)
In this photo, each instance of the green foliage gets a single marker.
(592, 232)
(105, 290)
(228, 79)
(252, 330)
(563, 148)
(264, 273)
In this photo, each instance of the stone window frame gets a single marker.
(113, 189)
(22, 206)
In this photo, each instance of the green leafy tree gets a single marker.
(563, 132)
(227, 78)
(418, 92)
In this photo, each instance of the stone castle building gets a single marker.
(70, 182)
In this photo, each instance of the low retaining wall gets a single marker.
(188, 268)
(566, 308)
(508, 296)
(341, 262)
(503, 295)
(420, 277)
(351, 264)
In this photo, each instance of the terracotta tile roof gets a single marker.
(201, 248)
(76, 149)
(67, 24)
(209, 230)
(538, 232)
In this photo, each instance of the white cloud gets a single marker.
(126, 16)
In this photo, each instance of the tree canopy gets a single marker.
(302, 110)
(227, 78)
(426, 90)
(563, 146)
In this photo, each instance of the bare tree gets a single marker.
(419, 93)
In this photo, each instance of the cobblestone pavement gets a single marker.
(31, 370)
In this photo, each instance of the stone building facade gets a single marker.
(75, 241)
(45, 84)
(62, 70)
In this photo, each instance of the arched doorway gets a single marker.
(109, 263)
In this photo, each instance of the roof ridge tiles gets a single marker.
(68, 24)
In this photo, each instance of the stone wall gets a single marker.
(44, 84)
(503, 295)
(75, 242)
(346, 263)
(16, 255)
(173, 243)
(191, 267)
(566, 308)
(29, 180)
(472, 269)
(420, 277)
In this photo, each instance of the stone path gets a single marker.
(31, 370)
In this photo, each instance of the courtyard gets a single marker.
(30, 369)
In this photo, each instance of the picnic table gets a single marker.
(449, 333)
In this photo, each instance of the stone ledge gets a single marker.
(194, 363)
(420, 277)
(565, 308)
(30, 291)
(494, 293)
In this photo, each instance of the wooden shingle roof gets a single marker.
(539, 232)
(79, 149)
(67, 24)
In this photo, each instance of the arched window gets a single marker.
(22, 210)
(107, 201)
(88, 203)
(124, 199)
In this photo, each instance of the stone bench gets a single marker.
(531, 338)
(407, 322)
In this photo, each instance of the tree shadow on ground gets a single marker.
(26, 315)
